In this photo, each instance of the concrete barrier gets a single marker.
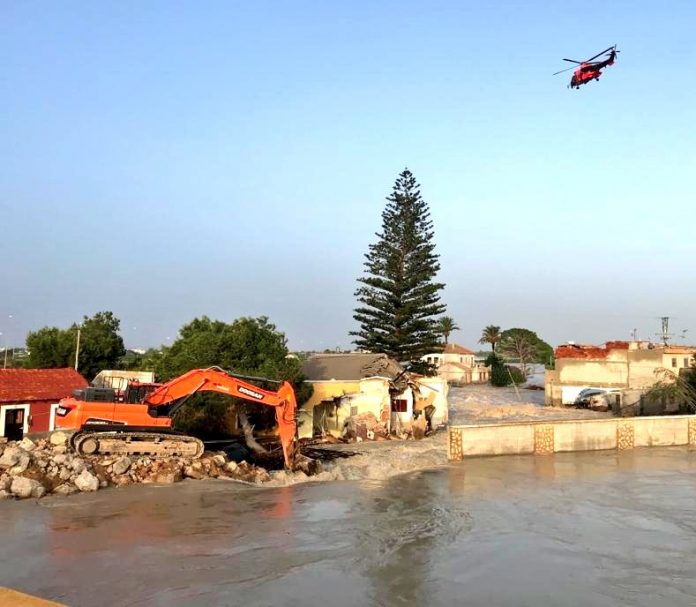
(573, 435)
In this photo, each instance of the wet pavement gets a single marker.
(602, 528)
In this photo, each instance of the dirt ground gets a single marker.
(484, 404)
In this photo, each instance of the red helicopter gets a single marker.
(590, 69)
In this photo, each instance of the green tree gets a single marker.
(50, 348)
(446, 326)
(520, 348)
(101, 346)
(500, 376)
(490, 335)
(247, 346)
(519, 343)
(399, 298)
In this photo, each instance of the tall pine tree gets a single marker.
(400, 301)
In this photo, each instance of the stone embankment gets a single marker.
(33, 469)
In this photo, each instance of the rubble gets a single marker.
(34, 469)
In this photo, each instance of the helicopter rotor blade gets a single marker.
(572, 67)
(573, 61)
(602, 53)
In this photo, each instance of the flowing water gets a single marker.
(602, 528)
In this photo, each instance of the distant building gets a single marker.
(457, 365)
(619, 365)
(29, 398)
(347, 385)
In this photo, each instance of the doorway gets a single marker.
(13, 421)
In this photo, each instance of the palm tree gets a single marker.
(445, 326)
(490, 335)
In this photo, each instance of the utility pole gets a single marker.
(77, 346)
(634, 334)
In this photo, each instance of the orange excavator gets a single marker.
(138, 419)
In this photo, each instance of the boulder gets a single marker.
(27, 444)
(168, 477)
(5, 494)
(60, 458)
(65, 489)
(26, 487)
(193, 471)
(121, 466)
(22, 464)
(5, 482)
(10, 457)
(219, 460)
(231, 466)
(86, 481)
(77, 465)
(58, 438)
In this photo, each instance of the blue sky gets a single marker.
(173, 159)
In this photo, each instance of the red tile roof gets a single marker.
(28, 385)
(456, 349)
(591, 352)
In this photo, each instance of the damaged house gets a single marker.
(351, 385)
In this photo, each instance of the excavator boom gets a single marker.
(214, 379)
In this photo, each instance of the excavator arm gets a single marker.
(174, 393)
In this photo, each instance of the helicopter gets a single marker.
(590, 69)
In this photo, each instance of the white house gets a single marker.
(456, 364)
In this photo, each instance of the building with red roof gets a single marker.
(617, 366)
(29, 398)
(457, 365)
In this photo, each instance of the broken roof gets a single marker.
(38, 384)
(350, 367)
(589, 351)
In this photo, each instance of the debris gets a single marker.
(26, 487)
(86, 481)
(48, 469)
(58, 438)
(419, 427)
(121, 465)
(27, 444)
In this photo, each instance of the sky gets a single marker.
(167, 160)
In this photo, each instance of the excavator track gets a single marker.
(153, 444)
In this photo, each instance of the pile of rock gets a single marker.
(34, 469)
(364, 426)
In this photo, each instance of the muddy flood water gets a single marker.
(602, 528)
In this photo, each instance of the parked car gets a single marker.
(584, 397)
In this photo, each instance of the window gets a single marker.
(399, 405)
(674, 362)
(461, 359)
(686, 362)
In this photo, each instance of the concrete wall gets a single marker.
(634, 368)
(576, 435)
(610, 373)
